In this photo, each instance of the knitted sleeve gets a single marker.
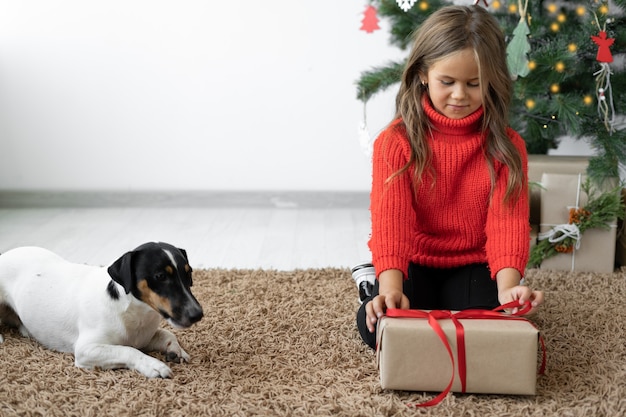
(508, 225)
(391, 202)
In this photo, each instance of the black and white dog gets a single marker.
(105, 316)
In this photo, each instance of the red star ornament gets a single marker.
(370, 20)
(604, 43)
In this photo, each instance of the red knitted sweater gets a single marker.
(453, 222)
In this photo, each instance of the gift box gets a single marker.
(486, 352)
(595, 251)
(550, 164)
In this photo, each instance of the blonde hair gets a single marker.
(447, 31)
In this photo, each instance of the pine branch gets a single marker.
(378, 79)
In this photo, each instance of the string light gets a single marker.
(532, 65)
(588, 100)
(423, 6)
(554, 27)
(530, 103)
(572, 47)
(513, 8)
(552, 8)
(554, 88)
(581, 11)
(561, 18)
(496, 5)
(559, 66)
(603, 9)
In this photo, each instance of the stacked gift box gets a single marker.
(555, 189)
(540, 164)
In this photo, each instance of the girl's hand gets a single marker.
(523, 294)
(379, 304)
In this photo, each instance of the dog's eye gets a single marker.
(160, 276)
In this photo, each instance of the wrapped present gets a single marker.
(568, 203)
(551, 164)
(473, 351)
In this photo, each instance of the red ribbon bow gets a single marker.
(435, 315)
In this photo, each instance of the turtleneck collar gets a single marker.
(467, 125)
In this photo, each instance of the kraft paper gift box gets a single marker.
(596, 252)
(500, 355)
(550, 164)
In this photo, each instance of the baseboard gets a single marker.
(209, 199)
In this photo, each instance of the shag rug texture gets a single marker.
(286, 344)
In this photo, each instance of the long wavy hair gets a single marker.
(447, 31)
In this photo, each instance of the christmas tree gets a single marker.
(561, 55)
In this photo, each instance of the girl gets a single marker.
(449, 199)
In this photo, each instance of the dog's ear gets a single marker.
(184, 252)
(121, 271)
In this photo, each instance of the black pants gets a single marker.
(460, 288)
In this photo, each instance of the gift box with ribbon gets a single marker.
(472, 351)
(563, 202)
(553, 164)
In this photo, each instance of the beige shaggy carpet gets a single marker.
(285, 343)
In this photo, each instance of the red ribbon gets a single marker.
(435, 315)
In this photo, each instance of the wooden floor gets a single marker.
(282, 235)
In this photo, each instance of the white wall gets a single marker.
(186, 95)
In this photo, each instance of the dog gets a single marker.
(106, 316)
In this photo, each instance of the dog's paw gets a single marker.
(177, 355)
(153, 368)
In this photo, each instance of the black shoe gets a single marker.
(364, 276)
(365, 291)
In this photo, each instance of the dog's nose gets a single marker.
(196, 315)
